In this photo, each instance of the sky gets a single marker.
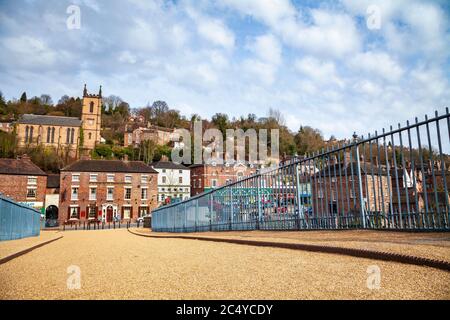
(339, 66)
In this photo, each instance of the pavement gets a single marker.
(116, 264)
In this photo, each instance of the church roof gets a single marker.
(49, 120)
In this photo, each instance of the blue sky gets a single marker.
(317, 62)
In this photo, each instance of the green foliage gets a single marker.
(7, 144)
(308, 140)
(102, 151)
(45, 158)
(162, 151)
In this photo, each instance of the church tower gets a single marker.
(91, 114)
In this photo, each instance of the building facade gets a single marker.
(60, 133)
(205, 177)
(335, 190)
(64, 134)
(6, 126)
(91, 117)
(107, 190)
(174, 181)
(159, 135)
(52, 200)
(23, 181)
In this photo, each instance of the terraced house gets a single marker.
(107, 190)
(23, 181)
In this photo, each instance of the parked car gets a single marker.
(141, 219)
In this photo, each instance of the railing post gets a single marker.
(360, 187)
(196, 215)
(299, 198)
(210, 211)
(258, 191)
(231, 208)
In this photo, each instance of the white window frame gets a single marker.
(128, 178)
(90, 192)
(32, 182)
(146, 193)
(35, 192)
(320, 194)
(214, 183)
(110, 175)
(107, 193)
(144, 179)
(125, 193)
(72, 194)
(93, 177)
(75, 177)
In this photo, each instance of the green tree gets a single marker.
(23, 97)
(308, 140)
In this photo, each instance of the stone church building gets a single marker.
(68, 135)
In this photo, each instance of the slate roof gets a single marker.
(20, 167)
(168, 165)
(109, 166)
(53, 181)
(49, 120)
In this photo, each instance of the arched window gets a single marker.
(72, 135)
(27, 129)
(53, 135)
(31, 134)
(91, 107)
(90, 136)
(68, 135)
(48, 134)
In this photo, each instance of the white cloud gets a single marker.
(267, 48)
(377, 64)
(211, 29)
(261, 71)
(320, 71)
(318, 64)
(269, 11)
(331, 34)
(216, 32)
(127, 57)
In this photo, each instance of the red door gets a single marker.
(109, 214)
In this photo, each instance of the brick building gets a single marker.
(159, 135)
(23, 181)
(205, 177)
(335, 189)
(107, 190)
(6, 125)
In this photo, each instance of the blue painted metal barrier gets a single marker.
(18, 221)
(398, 179)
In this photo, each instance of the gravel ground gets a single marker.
(115, 264)
(12, 246)
(434, 245)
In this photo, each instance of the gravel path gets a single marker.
(115, 264)
(12, 246)
(434, 245)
